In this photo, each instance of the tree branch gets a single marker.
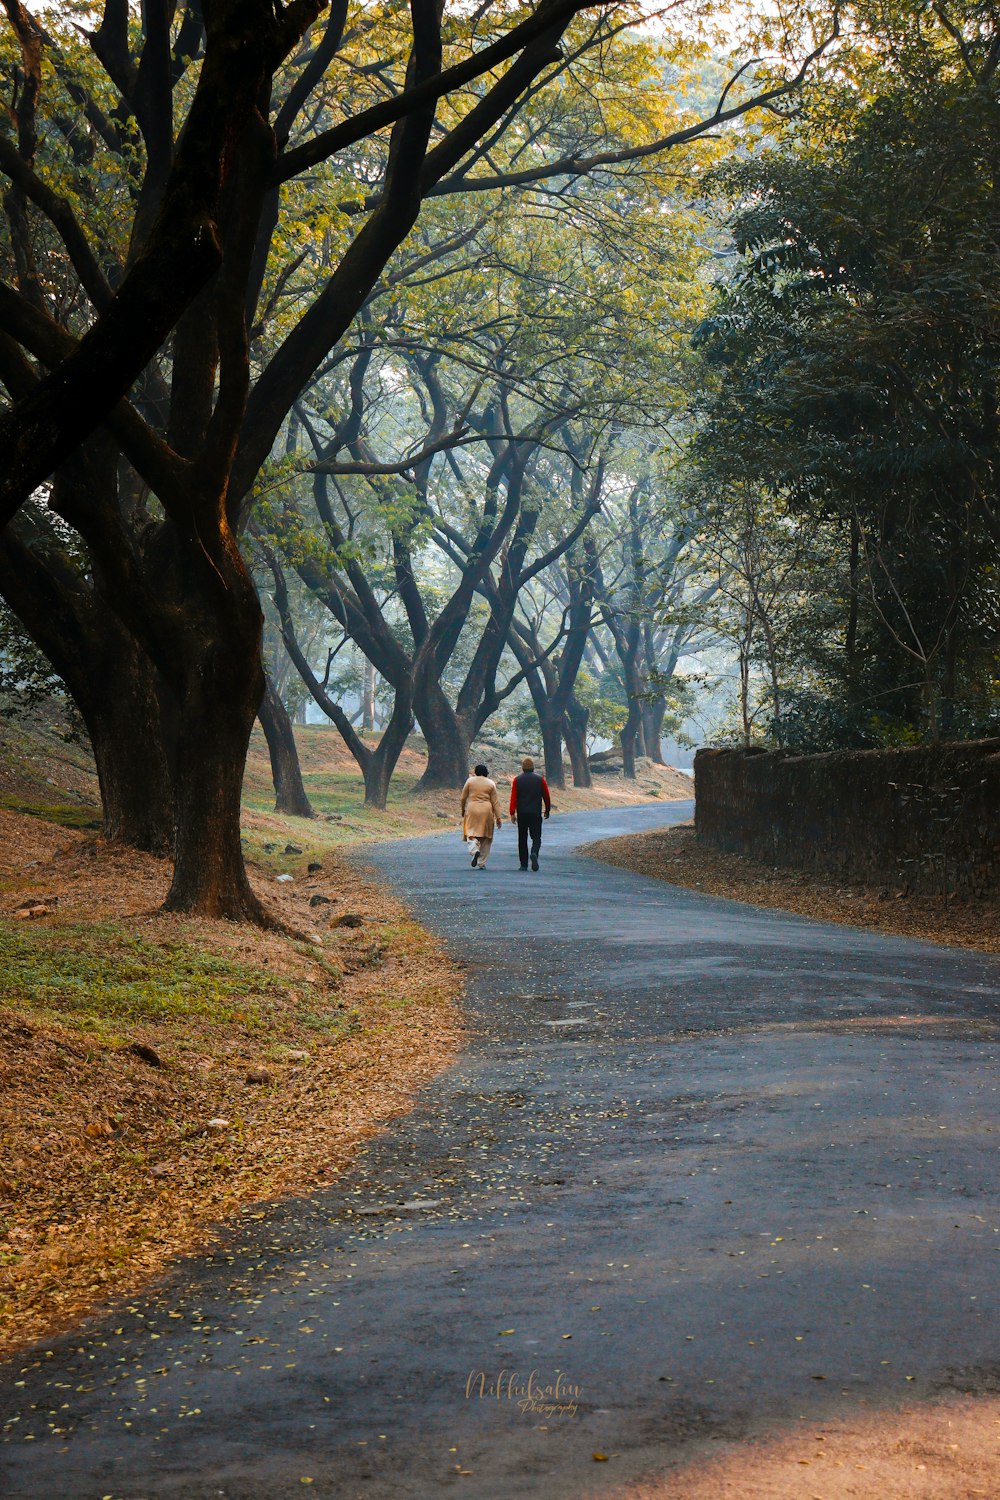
(550, 14)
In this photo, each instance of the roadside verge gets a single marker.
(159, 1074)
(675, 855)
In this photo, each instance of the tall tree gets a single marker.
(854, 350)
(653, 590)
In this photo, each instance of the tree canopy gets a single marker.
(852, 352)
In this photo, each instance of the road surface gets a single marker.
(703, 1170)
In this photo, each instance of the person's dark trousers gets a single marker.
(530, 824)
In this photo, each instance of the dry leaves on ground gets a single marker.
(675, 855)
(125, 1032)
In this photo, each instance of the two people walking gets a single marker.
(529, 804)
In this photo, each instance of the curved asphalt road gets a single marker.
(713, 1167)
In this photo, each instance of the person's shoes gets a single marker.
(524, 869)
(475, 859)
(534, 861)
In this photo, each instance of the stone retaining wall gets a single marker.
(924, 820)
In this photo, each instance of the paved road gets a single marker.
(710, 1167)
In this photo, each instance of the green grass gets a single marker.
(340, 795)
(338, 792)
(66, 814)
(341, 1023)
(97, 976)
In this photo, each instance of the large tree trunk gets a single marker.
(217, 665)
(368, 699)
(630, 734)
(640, 734)
(123, 721)
(447, 746)
(289, 792)
(575, 725)
(652, 728)
(110, 679)
(216, 717)
(552, 749)
(632, 681)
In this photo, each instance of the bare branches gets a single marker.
(549, 15)
(312, 73)
(110, 45)
(579, 166)
(29, 80)
(457, 438)
(30, 328)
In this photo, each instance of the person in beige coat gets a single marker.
(480, 815)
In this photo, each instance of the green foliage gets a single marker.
(851, 385)
(29, 688)
(604, 700)
(554, 311)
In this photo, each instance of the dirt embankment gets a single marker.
(675, 855)
(158, 1073)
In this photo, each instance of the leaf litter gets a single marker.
(676, 856)
(158, 1073)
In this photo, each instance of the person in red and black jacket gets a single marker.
(529, 796)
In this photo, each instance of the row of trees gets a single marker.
(508, 399)
(430, 400)
(380, 305)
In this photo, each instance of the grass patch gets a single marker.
(90, 975)
(338, 798)
(331, 1024)
(336, 794)
(66, 814)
